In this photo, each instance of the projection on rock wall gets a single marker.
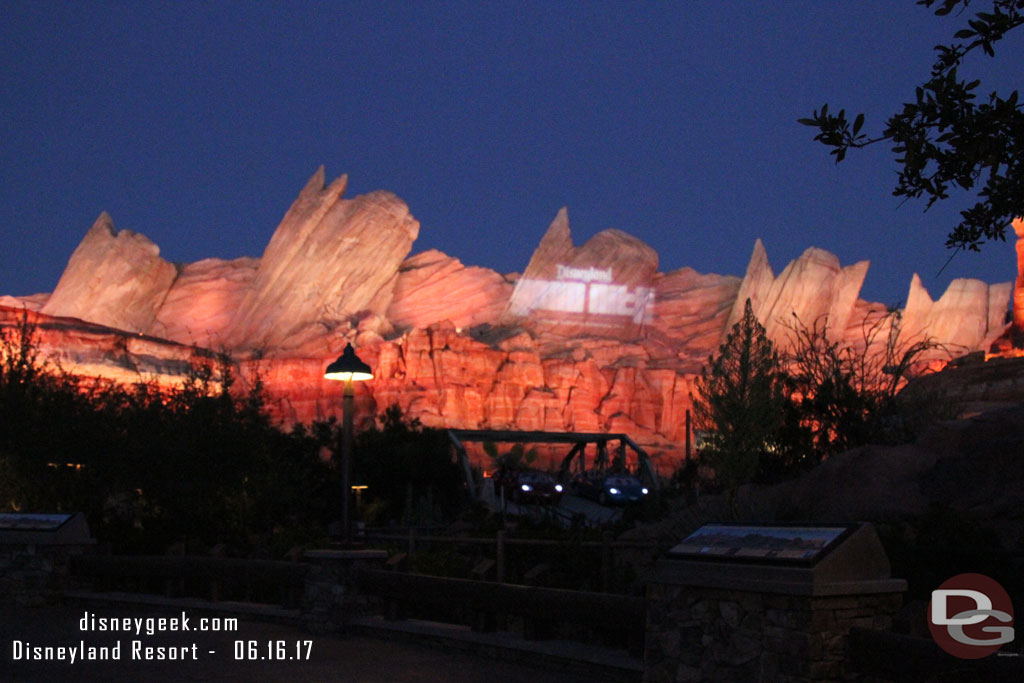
(587, 297)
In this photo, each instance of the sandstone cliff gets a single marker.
(602, 288)
(113, 278)
(330, 259)
(203, 301)
(589, 338)
(810, 288)
(433, 287)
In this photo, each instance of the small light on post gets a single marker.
(348, 369)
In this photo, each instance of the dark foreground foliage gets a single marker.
(947, 141)
(764, 416)
(408, 470)
(151, 467)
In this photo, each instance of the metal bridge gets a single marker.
(603, 460)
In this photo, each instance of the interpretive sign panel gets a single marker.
(12, 521)
(48, 529)
(785, 544)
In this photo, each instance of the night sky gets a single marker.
(196, 124)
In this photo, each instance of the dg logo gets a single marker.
(970, 616)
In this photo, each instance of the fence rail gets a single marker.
(487, 605)
(216, 578)
(500, 544)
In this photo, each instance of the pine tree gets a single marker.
(739, 403)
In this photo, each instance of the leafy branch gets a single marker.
(944, 139)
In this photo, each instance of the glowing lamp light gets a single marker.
(348, 369)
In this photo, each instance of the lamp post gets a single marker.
(348, 369)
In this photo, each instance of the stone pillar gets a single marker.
(697, 633)
(35, 575)
(753, 609)
(36, 552)
(330, 600)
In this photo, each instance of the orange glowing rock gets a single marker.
(203, 300)
(1018, 292)
(91, 350)
(603, 288)
(968, 316)
(433, 287)
(810, 288)
(588, 339)
(329, 259)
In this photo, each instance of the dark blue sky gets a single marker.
(197, 124)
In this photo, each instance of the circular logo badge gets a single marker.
(970, 616)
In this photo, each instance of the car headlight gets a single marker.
(558, 488)
(614, 491)
(644, 490)
(526, 487)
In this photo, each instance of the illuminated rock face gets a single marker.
(32, 302)
(329, 259)
(810, 288)
(1018, 292)
(113, 278)
(588, 338)
(201, 304)
(433, 287)
(690, 313)
(964, 318)
(603, 288)
(1011, 343)
(95, 350)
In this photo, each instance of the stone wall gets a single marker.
(330, 600)
(33, 575)
(717, 634)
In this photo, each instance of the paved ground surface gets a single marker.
(219, 657)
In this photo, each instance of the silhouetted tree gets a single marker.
(148, 465)
(517, 457)
(408, 469)
(845, 395)
(944, 139)
(739, 403)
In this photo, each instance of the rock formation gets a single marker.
(811, 288)
(113, 278)
(1011, 343)
(203, 301)
(690, 311)
(94, 350)
(433, 287)
(968, 316)
(33, 302)
(602, 288)
(1018, 292)
(588, 338)
(329, 259)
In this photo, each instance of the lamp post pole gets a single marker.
(348, 369)
(347, 409)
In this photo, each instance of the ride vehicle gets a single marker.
(609, 488)
(528, 486)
